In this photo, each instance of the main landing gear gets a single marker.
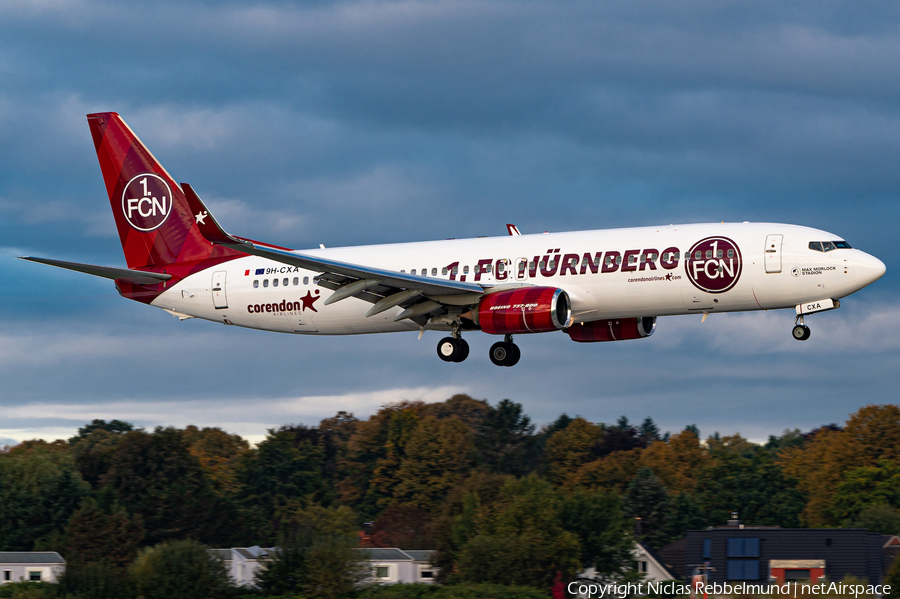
(800, 331)
(505, 353)
(453, 349)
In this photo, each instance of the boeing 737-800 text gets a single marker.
(605, 285)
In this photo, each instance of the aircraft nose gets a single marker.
(868, 269)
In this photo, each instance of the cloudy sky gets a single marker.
(370, 122)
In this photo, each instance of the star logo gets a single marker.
(669, 277)
(308, 301)
(201, 216)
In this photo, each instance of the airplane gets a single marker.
(594, 286)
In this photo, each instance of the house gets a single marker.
(34, 566)
(646, 561)
(738, 552)
(390, 566)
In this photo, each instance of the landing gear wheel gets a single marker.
(463, 349)
(452, 350)
(504, 354)
(801, 332)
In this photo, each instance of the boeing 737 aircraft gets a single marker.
(605, 285)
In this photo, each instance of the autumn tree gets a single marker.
(219, 454)
(155, 477)
(871, 434)
(612, 472)
(676, 462)
(570, 448)
(404, 526)
(437, 455)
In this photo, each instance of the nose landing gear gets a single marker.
(800, 332)
(505, 353)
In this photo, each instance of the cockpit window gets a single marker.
(827, 246)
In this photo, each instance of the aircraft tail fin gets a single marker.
(153, 217)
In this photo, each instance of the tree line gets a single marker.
(501, 500)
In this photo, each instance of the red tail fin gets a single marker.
(155, 223)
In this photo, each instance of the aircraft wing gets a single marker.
(384, 288)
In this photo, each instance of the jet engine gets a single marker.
(615, 329)
(524, 310)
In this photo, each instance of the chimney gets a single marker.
(637, 527)
(734, 520)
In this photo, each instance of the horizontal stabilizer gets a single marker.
(107, 272)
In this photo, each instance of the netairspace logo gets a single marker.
(585, 589)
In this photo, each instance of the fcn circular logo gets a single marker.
(714, 264)
(147, 201)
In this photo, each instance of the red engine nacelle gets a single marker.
(613, 330)
(524, 310)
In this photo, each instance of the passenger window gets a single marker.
(596, 261)
(487, 269)
(434, 272)
(543, 264)
(412, 272)
(719, 253)
(256, 284)
(296, 281)
(455, 270)
(828, 246)
(285, 282)
(444, 270)
(306, 280)
(265, 282)
(501, 268)
(522, 266)
(274, 282)
(698, 255)
(424, 272)
(531, 265)
(618, 259)
(731, 253)
(677, 256)
(465, 270)
(708, 254)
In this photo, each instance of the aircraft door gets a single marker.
(521, 269)
(218, 290)
(773, 253)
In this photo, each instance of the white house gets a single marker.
(646, 561)
(388, 565)
(34, 566)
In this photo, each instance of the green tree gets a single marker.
(604, 533)
(893, 579)
(116, 427)
(879, 518)
(686, 514)
(316, 555)
(505, 440)
(94, 535)
(39, 490)
(646, 498)
(155, 477)
(517, 539)
(864, 487)
(183, 569)
(755, 487)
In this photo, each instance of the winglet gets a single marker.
(512, 230)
